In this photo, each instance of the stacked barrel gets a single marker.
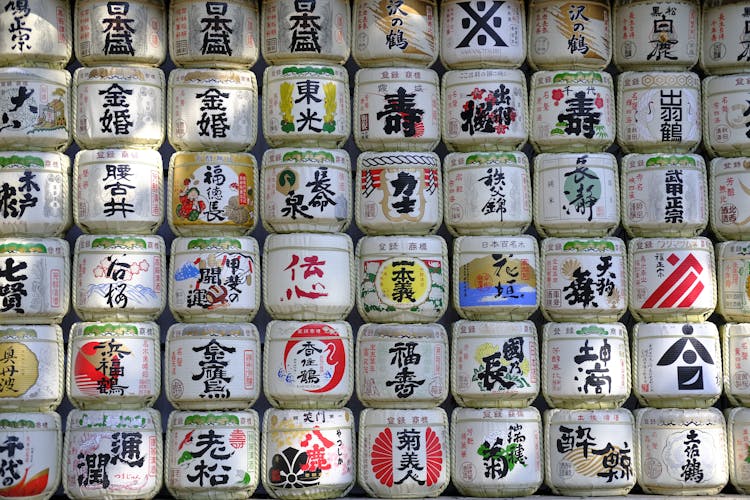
(308, 448)
(496, 434)
(35, 263)
(585, 354)
(212, 357)
(675, 351)
(724, 55)
(113, 439)
(490, 115)
(402, 266)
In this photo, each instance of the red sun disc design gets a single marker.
(335, 346)
(85, 369)
(381, 457)
(434, 454)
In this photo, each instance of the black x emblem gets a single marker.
(482, 23)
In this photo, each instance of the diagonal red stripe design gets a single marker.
(692, 296)
(679, 291)
(689, 262)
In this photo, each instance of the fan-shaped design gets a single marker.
(381, 457)
(434, 453)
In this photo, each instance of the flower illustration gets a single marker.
(557, 95)
(477, 94)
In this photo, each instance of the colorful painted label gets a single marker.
(213, 191)
(402, 275)
(672, 275)
(387, 452)
(572, 106)
(496, 272)
(403, 283)
(309, 450)
(576, 190)
(493, 366)
(315, 360)
(112, 453)
(215, 276)
(590, 450)
(498, 449)
(114, 368)
(31, 368)
(584, 276)
(30, 450)
(484, 109)
(213, 450)
(306, 187)
(119, 274)
(306, 103)
(404, 452)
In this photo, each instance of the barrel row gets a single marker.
(549, 34)
(396, 454)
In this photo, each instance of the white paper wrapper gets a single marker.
(113, 365)
(570, 35)
(395, 34)
(656, 35)
(499, 43)
(308, 364)
(197, 361)
(494, 364)
(37, 191)
(229, 469)
(132, 32)
(213, 34)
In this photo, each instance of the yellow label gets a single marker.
(19, 369)
(585, 26)
(403, 282)
(213, 189)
